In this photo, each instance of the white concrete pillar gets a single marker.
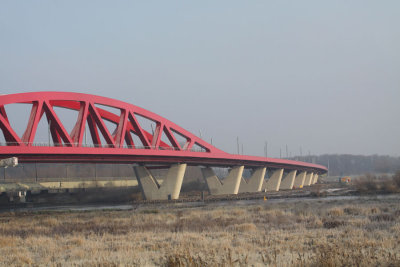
(299, 181)
(255, 182)
(22, 196)
(230, 185)
(274, 182)
(315, 179)
(309, 179)
(171, 185)
(288, 181)
(9, 162)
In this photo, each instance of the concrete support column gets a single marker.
(170, 187)
(230, 184)
(22, 196)
(274, 182)
(254, 184)
(9, 162)
(315, 179)
(299, 181)
(288, 181)
(309, 179)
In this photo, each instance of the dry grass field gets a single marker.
(361, 231)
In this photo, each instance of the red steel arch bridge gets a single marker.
(166, 144)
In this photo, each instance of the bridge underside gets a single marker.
(154, 180)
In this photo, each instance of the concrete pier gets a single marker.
(170, 187)
(315, 178)
(229, 185)
(288, 181)
(309, 179)
(274, 182)
(299, 180)
(254, 183)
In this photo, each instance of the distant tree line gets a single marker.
(346, 164)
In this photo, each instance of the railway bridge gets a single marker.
(118, 132)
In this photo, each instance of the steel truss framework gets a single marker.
(129, 142)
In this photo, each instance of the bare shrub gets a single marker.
(187, 259)
(393, 185)
(336, 212)
(396, 179)
(328, 255)
(382, 218)
(49, 221)
(184, 259)
(76, 241)
(374, 210)
(369, 183)
(244, 227)
(390, 186)
(317, 191)
(397, 213)
(352, 210)
(366, 184)
(329, 224)
(256, 209)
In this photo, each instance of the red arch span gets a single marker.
(118, 146)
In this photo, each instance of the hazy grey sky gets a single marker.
(323, 75)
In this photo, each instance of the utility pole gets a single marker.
(237, 141)
(328, 166)
(266, 149)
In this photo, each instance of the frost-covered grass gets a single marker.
(363, 232)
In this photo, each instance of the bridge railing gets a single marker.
(46, 144)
